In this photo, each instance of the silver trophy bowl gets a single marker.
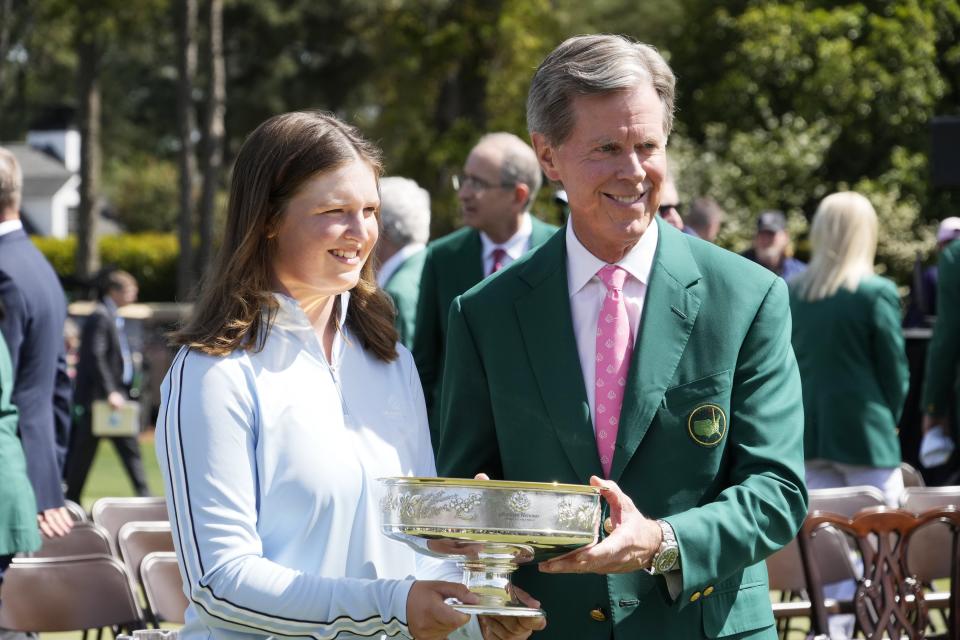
(489, 527)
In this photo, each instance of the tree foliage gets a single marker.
(779, 101)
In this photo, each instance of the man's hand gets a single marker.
(55, 522)
(428, 616)
(929, 422)
(116, 400)
(631, 545)
(513, 627)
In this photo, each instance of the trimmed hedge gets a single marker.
(150, 257)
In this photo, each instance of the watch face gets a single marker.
(667, 559)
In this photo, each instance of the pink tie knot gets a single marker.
(613, 276)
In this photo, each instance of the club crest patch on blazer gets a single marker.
(707, 425)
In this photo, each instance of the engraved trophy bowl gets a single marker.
(490, 528)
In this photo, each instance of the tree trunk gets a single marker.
(6, 20)
(88, 215)
(186, 21)
(211, 158)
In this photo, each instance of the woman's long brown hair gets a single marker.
(236, 307)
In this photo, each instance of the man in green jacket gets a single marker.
(405, 218)
(496, 189)
(941, 382)
(629, 355)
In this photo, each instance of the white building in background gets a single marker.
(50, 160)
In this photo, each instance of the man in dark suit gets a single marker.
(104, 372)
(624, 353)
(33, 329)
(496, 189)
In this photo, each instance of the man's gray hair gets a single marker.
(11, 180)
(703, 212)
(519, 162)
(404, 211)
(589, 65)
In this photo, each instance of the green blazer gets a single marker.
(855, 375)
(18, 507)
(942, 379)
(453, 264)
(404, 287)
(714, 339)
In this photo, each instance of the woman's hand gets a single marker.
(513, 627)
(428, 616)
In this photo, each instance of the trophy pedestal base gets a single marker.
(494, 610)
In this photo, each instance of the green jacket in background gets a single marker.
(18, 507)
(404, 287)
(714, 341)
(942, 379)
(453, 264)
(855, 375)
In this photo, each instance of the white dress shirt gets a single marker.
(394, 262)
(10, 226)
(515, 247)
(587, 292)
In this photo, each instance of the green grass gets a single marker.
(109, 478)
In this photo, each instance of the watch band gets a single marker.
(667, 557)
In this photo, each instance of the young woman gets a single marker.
(287, 400)
(847, 337)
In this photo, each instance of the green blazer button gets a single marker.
(598, 615)
(695, 596)
(708, 591)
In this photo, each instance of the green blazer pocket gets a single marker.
(738, 604)
(712, 388)
(696, 414)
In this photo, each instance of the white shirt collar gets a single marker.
(391, 264)
(291, 316)
(515, 246)
(583, 265)
(10, 226)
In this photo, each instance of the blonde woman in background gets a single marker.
(849, 346)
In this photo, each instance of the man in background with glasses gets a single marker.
(496, 189)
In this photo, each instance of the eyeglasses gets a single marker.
(477, 184)
(665, 208)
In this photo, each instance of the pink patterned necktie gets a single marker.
(614, 347)
(498, 256)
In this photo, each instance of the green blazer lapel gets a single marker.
(669, 312)
(544, 318)
(469, 264)
(541, 232)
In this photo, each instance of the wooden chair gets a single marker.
(164, 586)
(889, 599)
(68, 594)
(785, 567)
(85, 538)
(113, 513)
(926, 557)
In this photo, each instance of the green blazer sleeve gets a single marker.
(465, 385)
(404, 288)
(427, 339)
(759, 512)
(943, 355)
(18, 506)
(889, 349)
